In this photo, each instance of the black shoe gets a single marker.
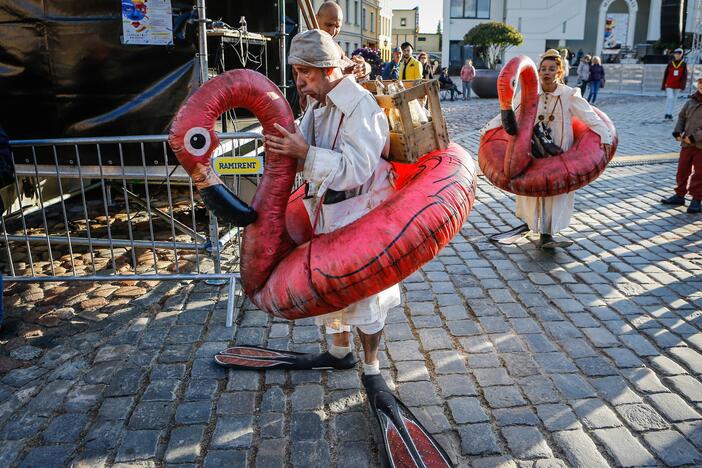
(695, 206)
(674, 200)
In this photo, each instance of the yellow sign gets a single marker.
(238, 165)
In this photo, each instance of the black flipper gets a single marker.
(255, 358)
(406, 442)
(511, 236)
(227, 206)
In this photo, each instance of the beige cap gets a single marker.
(315, 48)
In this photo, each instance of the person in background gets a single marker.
(565, 56)
(330, 16)
(579, 57)
(688, 131)
(584, 73)
(391, 69)
(674, 79)
(596, 80)
(446, 83)
(467, 75)
(427, 72)
(410, 68)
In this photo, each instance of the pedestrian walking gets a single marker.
(688, 131)
(467, 76)
(674, 79)
(584, 73)
(596, 79)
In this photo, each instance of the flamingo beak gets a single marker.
(194, 155)
(509, 121)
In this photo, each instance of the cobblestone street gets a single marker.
(511, 356)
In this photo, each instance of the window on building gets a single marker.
(347, 12)
(355, 13)
(348, 51)
(470, 9)
(403, 21)
(565, 25)
(363, 19)
(372, 25)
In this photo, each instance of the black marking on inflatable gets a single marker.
(227, 206)
(442, 201)
(509, 121)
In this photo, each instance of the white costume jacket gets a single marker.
(548, 215)
(346, 138)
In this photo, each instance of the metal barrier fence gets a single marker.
(641, 78)
(77, 212)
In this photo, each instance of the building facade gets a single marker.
(429, 42)
(597, 27)
(405, 26)
(385, 29)
(369, 22)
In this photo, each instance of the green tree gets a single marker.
(492, 40)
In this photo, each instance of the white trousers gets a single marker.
(671, 96)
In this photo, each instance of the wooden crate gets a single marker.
(407, 146)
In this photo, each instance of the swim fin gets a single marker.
(406, 442)
(511, 236)
(253, 358)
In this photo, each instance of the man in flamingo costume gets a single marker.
(339, 146)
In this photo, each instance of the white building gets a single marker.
(575, 24)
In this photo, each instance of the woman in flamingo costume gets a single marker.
(545, 188)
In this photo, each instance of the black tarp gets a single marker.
(64, 71)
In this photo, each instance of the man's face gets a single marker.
(407, 52)
(699, 86)
(677, 55)
(330, 21)
(311, 81)
(396, 56)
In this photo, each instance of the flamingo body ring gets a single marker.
(505, 152)
(285, 269)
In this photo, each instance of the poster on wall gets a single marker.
(147, 22)
(615, 31)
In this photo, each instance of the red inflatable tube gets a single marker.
(505, 152)
(287, 271)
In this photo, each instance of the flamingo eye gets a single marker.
(514, 83)
(197, 141)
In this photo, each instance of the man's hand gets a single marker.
(607, 148)
(291, 144)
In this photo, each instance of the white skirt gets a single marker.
(546, 215)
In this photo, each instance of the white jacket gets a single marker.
(352, 163)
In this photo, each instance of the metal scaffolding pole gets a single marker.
(202, 39)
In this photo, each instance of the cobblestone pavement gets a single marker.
(638, 119)
(586, 357)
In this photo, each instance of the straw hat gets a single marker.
(315, 48)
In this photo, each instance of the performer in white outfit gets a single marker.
(339, 145)
(558, 104)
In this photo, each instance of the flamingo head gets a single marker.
(193, 140)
